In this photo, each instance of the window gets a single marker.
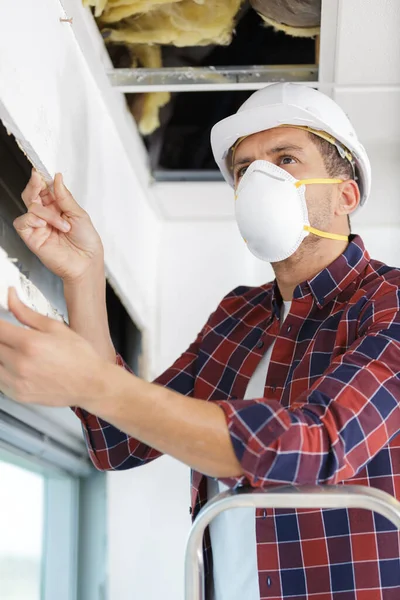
(21, 532)
(40, 529)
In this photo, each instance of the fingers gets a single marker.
(48, 216)
(12, 335)
(63, 197)
(36, 218)
(38, 197)
(37, 191)
(35, 185)
(47, 196)
(28, 221)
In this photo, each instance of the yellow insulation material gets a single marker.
(185, 23)
(148, 56)
(145, 107)
(121, 9)
(149, 120)
(98, 5)
(145, 24)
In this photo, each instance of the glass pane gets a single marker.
(21, 533)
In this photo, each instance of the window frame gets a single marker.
(74, 551)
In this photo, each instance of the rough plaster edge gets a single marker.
(10, 276)
(23, 144)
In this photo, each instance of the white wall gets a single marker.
(200, 263)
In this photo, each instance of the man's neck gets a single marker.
(306, 263)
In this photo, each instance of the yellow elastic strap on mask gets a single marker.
(307, 181)
(325, 234)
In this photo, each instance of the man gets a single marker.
(301, 375)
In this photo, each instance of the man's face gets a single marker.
(292, 150)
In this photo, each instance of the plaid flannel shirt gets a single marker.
(329, 415)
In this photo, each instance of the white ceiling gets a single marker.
(368, 42)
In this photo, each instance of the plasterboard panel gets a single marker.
(10, 276)
(374, 112)
(53, 104)
(195, 201)
(368, 43)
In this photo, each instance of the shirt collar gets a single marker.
(332, 280)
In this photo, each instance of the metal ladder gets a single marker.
(307, 496)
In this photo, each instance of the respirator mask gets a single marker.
(271, 211)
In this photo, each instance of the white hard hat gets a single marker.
(290, 104)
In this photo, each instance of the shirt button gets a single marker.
(289, 329)
(269, 581)
(260, 344)
(273, 388)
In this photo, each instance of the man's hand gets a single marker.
(62, 236)
(50, 364)
(58, 230)
(47, 364)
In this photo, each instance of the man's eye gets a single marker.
(240, 172)
(285, 158)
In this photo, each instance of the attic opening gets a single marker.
(261, 41)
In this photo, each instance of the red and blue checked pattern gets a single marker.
(330, 414)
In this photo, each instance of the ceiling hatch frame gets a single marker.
(206, 79)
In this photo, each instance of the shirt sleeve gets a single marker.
(335, 428)
(112, 449)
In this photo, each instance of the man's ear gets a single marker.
(349, 198)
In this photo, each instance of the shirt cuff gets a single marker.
(253, 425)
(92, 428)
(89, 423)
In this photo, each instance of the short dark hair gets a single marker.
(336, 165)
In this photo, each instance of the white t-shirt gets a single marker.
(233, 532)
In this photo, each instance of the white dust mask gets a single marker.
(271, 211)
